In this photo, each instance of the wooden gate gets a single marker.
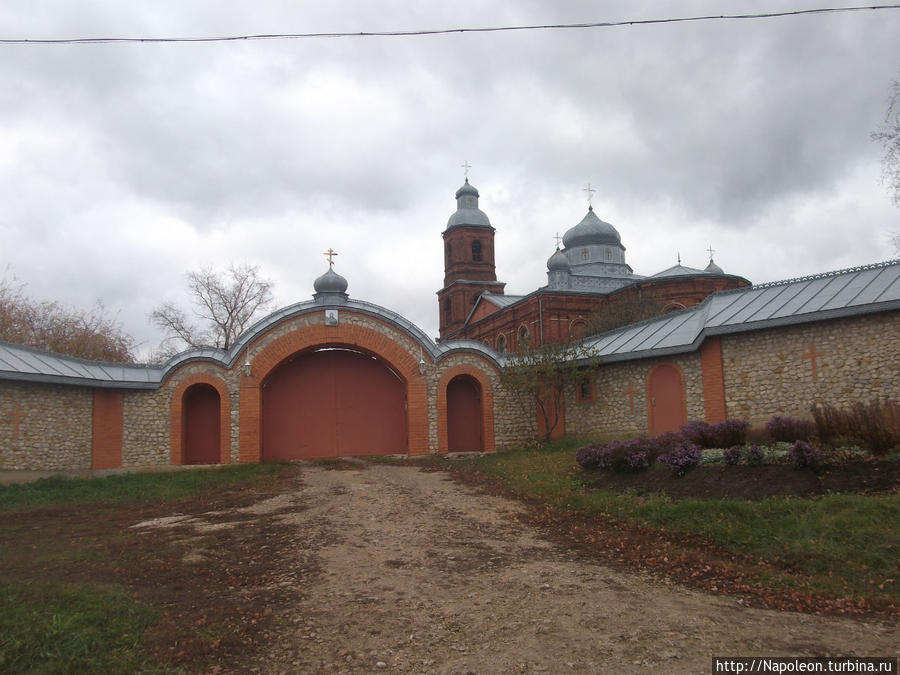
(201, 409)
(665, 399)
(464, 421)
(330, 403)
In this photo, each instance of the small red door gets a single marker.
(201, 425)
(464, 415)
(665, 391)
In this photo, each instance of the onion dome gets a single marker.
(712, 268)
(467, 211)
(330, 282)
(592, 230)
(558, 262)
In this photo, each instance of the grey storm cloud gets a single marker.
(163, 157)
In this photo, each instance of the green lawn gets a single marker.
(839, 544)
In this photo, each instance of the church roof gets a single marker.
(679, 270)
(592, 230)
(502, 300)
(833, 295)
(467, 211)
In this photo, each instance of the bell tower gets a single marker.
(468, 261)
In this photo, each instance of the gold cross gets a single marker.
(330, 253)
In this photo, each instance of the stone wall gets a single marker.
(145, 427)
(784, 371)
(619, 405)
(45, 426)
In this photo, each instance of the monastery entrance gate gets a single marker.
(330, 402)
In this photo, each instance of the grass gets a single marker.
(841, 543)
(126, 488)
(48, 627)
(63, 605)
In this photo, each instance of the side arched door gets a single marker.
(665, 399)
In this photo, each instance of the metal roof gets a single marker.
(501, 301)
(18, 362)
(851, 292)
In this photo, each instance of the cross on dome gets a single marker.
(710, 250)
(590, 193)
(466, 166)
(558, 239)
(330, 253)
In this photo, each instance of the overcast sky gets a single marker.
(124, 166)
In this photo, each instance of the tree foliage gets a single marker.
(88, 334)
(889, 136)
(538, 376)
(225, 303)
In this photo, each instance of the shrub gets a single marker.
(755, 455)
(663, 443)
(876, 424)
(592, 457)
(720, 435)
(683, 458)
(732, 455)
(803, 455)
(789, 429)
(637, 461)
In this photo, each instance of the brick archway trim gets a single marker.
(177, 438)
(320, 335)
(683, 392)
(487, 405)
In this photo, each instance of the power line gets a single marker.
(446, 31)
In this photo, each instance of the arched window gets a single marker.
(524, 336)
(447, 310)
(501, 343)
(449, 248)
(476, 250)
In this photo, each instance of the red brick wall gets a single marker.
(713, 379)
(106, 445)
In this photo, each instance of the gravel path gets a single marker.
(422, 575)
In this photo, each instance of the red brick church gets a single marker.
(584, 278)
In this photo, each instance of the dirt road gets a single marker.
(419, 574)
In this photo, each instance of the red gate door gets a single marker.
(464, 415)
(330, 403)
(200, 407)
(665, 392)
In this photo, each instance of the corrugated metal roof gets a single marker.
(861, 290)
(501, 301)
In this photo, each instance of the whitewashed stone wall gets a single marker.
(766, 373)
(54, 427)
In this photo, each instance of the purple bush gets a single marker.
(682, 458)
(732, 455)
(755, 455)
(720, 435)
(789, 429)
(637, 461)
(592, 457)
(803, 455)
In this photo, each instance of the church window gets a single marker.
(524, 337)
(476, 251)
(585, 254)
(585, 391)
(501, 343)
(447, 311)
(449, 251)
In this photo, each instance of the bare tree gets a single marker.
(224, 303)
(889, 136)
(49, 325)
(538, 378)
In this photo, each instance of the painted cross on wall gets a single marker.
(16, 416)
